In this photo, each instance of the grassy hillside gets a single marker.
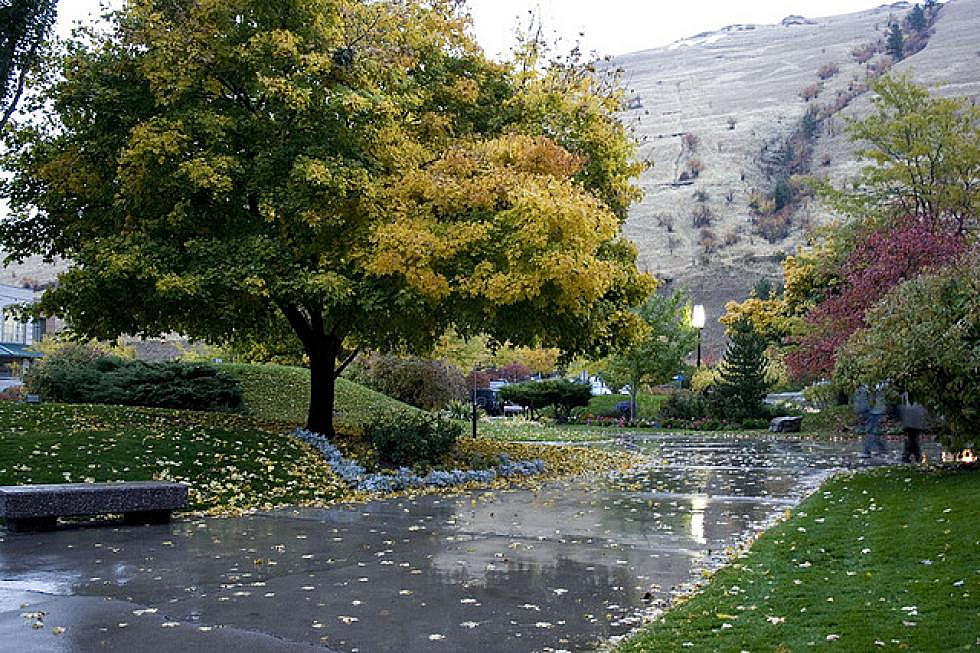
(281, 393)
(231, 462)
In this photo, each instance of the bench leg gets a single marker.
(29, 524)
(147, 517)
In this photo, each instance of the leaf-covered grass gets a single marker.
(516, 429)
(647, 406)
(559, 460)
(281, 393)
(881, 560)
(231, 462)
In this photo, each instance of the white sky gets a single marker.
(609, 26)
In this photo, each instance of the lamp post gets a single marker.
(697, 321)
(473, 402)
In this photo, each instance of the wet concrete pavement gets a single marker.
(556, 569)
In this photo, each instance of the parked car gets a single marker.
(489, 401)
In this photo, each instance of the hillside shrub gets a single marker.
(810, 92)
(828, 70)
(707, 240)
(561, 395)
(69, 378)
(863, 53)
(408, 439)
(701, 216)
(425, 384)
(695, 167)
(774, 227)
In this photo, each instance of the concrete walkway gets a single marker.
(557, 569)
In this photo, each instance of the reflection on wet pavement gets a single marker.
(559, 568)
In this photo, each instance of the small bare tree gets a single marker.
(691, 142)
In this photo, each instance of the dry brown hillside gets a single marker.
(724, 103)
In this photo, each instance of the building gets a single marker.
(17, 336)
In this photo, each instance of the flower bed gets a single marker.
(358, 477)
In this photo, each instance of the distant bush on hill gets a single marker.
(425, 384)
(828, 70)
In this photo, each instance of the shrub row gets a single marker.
(112, 380)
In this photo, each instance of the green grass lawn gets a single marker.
(647, 406)
(880, 560)
(231, 462)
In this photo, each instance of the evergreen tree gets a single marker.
(743, 377)
(916, 19)
(762, 288)
(896, 44)
(24, 26)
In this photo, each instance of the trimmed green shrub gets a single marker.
(112, 380)
(683, 406)
(407, 439)
(561, 395)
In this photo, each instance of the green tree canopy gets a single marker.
(924, 338)
(924, 157)
(357, 170)
(655, 357)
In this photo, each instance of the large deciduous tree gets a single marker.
(357, 170)
(655, 357)
(882, 260)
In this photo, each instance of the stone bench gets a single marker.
(786, 424)
(37, 507)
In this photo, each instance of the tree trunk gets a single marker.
(323, 380)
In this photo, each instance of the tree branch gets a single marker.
(299, 324)
(347, 361)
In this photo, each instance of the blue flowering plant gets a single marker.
(403, 478)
